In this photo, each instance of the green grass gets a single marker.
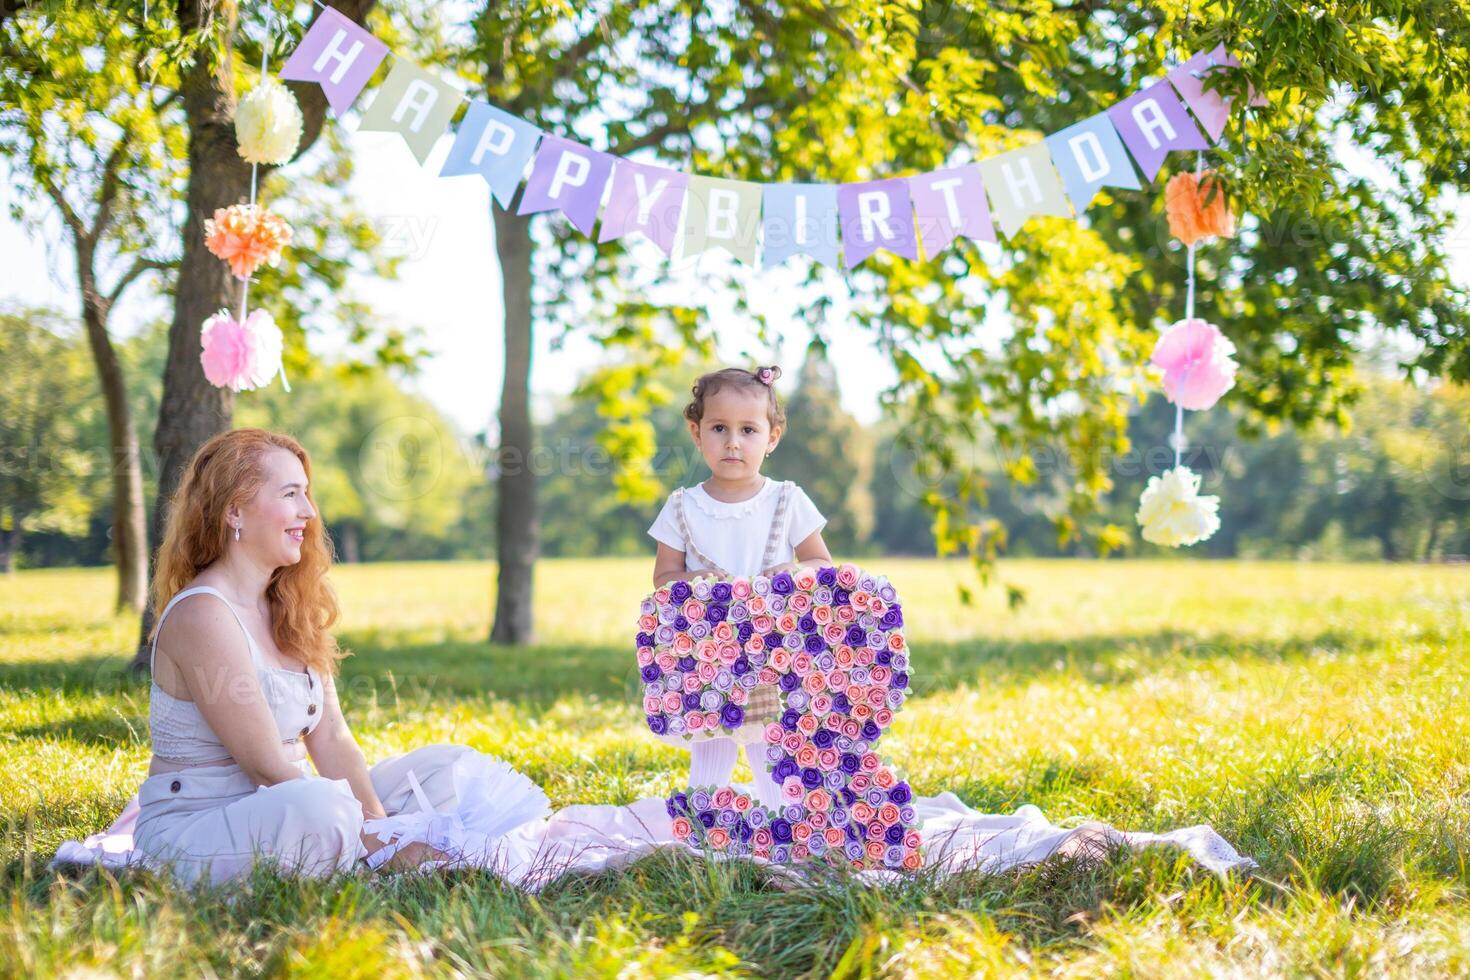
(1314, 714)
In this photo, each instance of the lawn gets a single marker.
(1313, 714)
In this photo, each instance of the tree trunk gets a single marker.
(129, 544)
(9, 544)
(192, 409)
(351, 540)
(517, 534)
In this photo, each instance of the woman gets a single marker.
(243, 688)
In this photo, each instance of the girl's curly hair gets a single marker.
(761, 380)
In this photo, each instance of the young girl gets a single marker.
(737, 524)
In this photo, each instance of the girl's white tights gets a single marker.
(712, 762)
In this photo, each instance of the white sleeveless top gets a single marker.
(740, 538)
(178, 729)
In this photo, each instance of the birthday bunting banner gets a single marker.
(838, 225)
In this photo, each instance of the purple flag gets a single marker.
(645, 199)
(567, 176)
(1152, 123)
(1210, 108)
(876, 214)
(338, 55)
(949, 203)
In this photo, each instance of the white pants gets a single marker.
(212, 823)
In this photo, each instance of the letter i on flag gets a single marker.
(569, 177)
(338, 55)
(799, 219)
(415, 104)
(645, 199)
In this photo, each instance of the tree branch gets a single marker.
(138, 268)
(107, 191)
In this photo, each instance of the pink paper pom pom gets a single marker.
(1197, 364)
(240, 356)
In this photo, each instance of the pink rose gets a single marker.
(707, 672)
(806, 579)
(724, 632)
(851, 728)
(864, 656)
(711, 719)
(661, 596)
(651, 704)
(870, 762)
(799, 603)
(743, 803)
(683, 644)
(706, 650)
(665, 661)
(769, 675)
(875, 697)
(774, 734)
(791, 741)
(739, 695)
(833, 633)
(912, 840)
(822, 704)
(691, 683)
(846, 614)
(694, 721)
(792, 790)
(724, 797)
(807, 725)
(814, 683)
(718, 837)
(740, 588)
(801, 831)
(883, 717)
(822, 615)
(802, 664)
(672, 702)
(847, 576)
(755, 644)
(837, 681)
(693, 610)
(843, 656)
(860, 782)
(648, 623)
(763, 623)
(682, 828)
(817, 818)
(729, 653)
(762, 837)
(806, 756)
(880, 675)
(799, 852)
(827, 759)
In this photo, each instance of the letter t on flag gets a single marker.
(948, 203)
(338, 55)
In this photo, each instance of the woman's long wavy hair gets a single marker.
(227, 471)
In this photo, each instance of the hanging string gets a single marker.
(265, 56)
(1177, 439)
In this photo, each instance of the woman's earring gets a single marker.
(237, 532)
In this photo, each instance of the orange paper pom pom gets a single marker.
(1190, 217)
(246, 236)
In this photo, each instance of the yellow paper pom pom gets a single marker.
(268, 124)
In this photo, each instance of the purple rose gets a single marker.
(680, 592)
(678, 804)
(720, 592)
(823, 739)
(680, 623)
(894, 834)
(783, 583)
(871, 731)
(853, 850)
(651, 673)
(658, 724)
(899, 680)
(806, 624)
(706, 817)
(789, 682)
(892, 618)
(841, 703)
(841, 597)
(781, 830)
(811, 778)
(900, 794)
(714, 613)
(773, 641)
(783, 769)
(732, 715)
(686, 663)
(744, 631)
(814, 644)
(848, 796)
(789, 719)
(882, 657)
(827, 575)
(691, 701)
(855, 636)
(740, 666)
(850, 763)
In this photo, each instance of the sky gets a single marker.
(449, 288)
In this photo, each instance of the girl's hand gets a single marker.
(787, 566)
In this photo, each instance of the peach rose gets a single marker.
(861, 601)
(896, 643)
(861, 712)
(888, 813)
(729, 653)
(806, 756)
(799, 603)
(884, 779)
(801, 831)
(848, 575)
(807, 724)
(814, 683)
(862, 812)
(781, 660)
(786, 622)
(706, 650)
(648, 623)
(842, 653)
(724, 632)
(743, 803)
(834, 836)
(718, 837)
(682, 827)
(683, 643)
(755, 644)
(822, 615)
(912, 862)
(833, 723)
(756, 604)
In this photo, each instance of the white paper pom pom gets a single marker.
(1171, 511)
(268, 124)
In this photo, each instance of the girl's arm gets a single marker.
(811, 550)
(668, 566)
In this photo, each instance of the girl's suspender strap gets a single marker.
(689, 544)
(778, 527)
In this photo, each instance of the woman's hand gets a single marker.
(407, 857)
